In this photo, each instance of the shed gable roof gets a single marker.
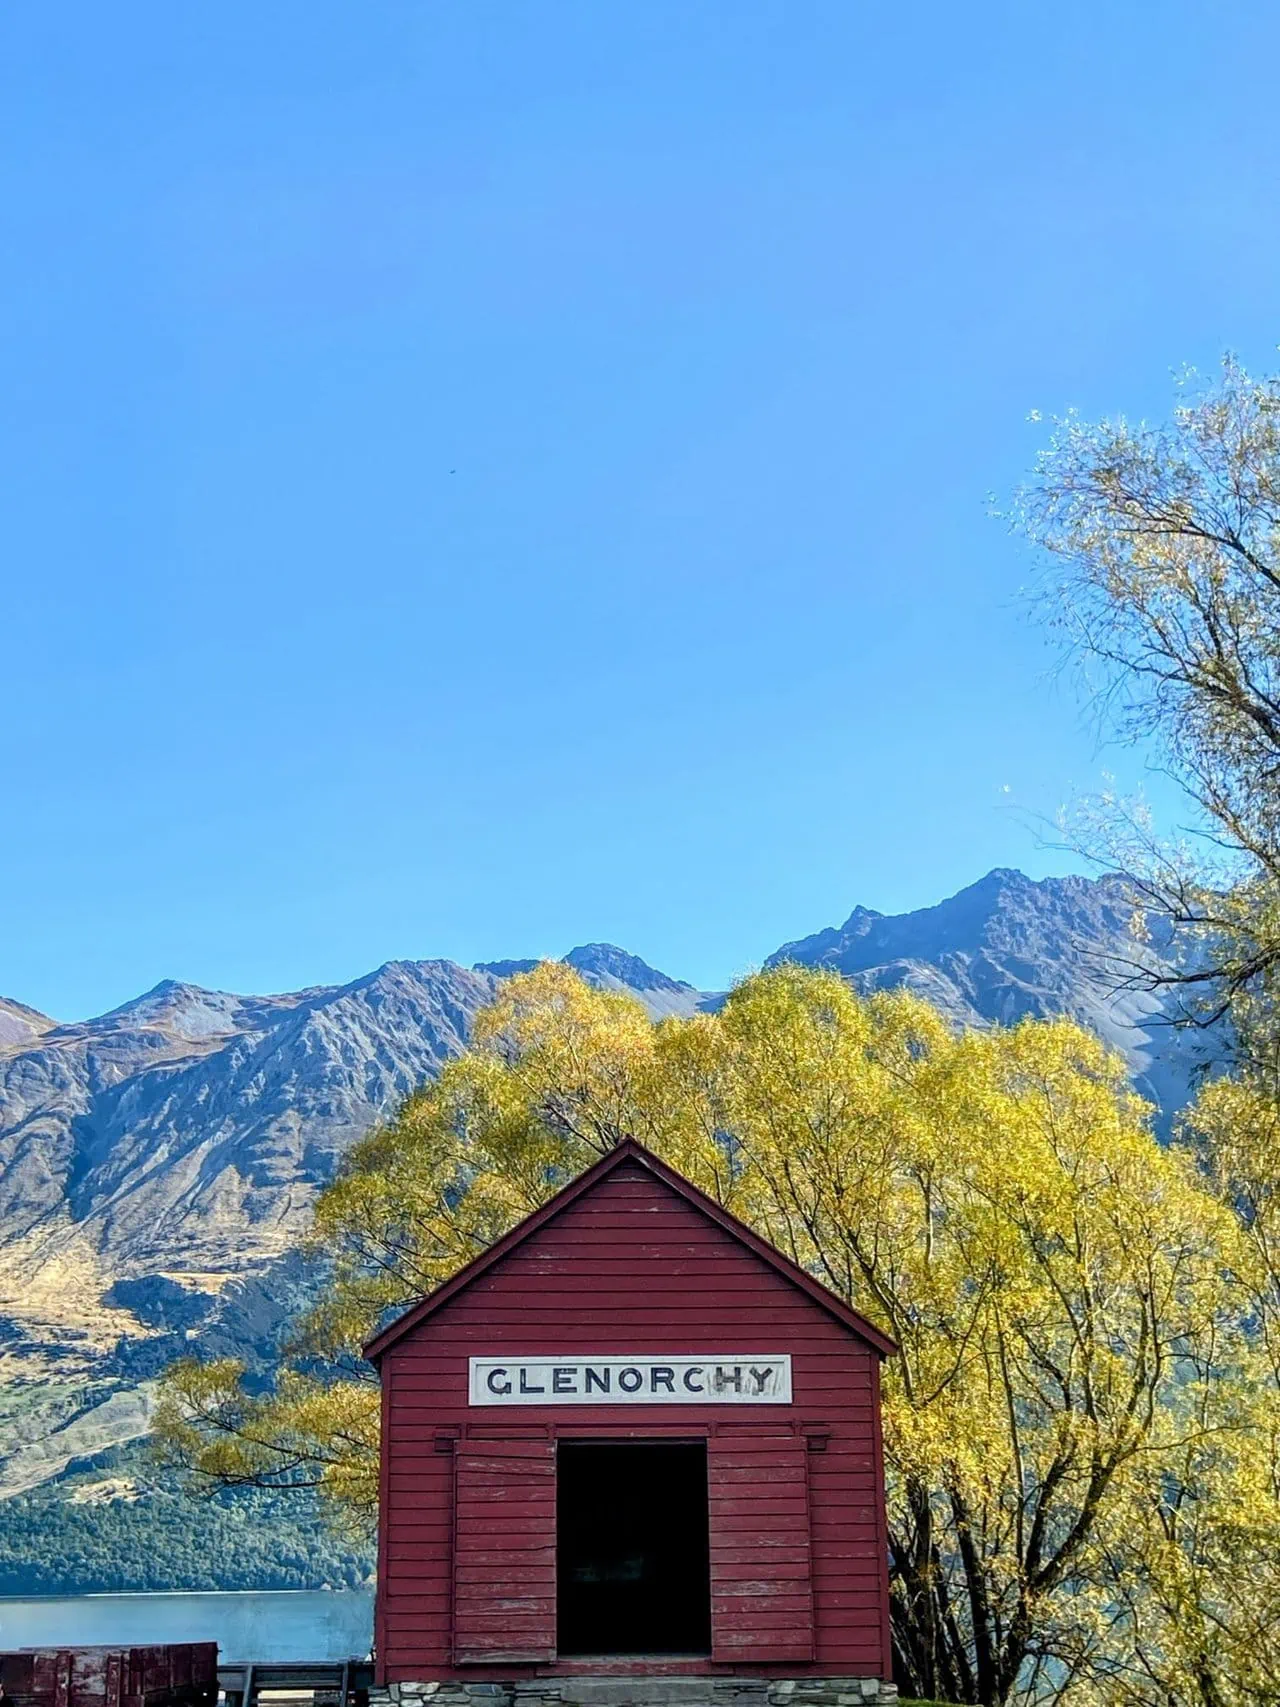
(629, 1151)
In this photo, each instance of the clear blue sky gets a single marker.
(483, 477)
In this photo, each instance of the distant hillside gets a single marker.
(1007, 948)
(158, 1164)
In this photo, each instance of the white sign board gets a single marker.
(712, 1378)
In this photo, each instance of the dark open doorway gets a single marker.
(632, 1564)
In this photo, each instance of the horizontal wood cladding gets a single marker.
(758, 1492)
(504, 1578)
(630, 1268)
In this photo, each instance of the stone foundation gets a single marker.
(654, 1691)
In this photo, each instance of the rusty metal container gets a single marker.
(171, 1674)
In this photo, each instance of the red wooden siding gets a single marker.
(632, 1267)
(504, 1570)
(761, 1583)
(164, 1673)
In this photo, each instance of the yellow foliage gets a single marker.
(1073, 1302)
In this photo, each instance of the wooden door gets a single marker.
(504, 1593)
(761, 1584)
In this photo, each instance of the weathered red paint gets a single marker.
(173, 1674)
(631, 1259)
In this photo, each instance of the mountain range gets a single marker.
(158, 1163)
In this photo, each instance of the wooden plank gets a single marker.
(733, 1576)
(749, 1513)
(851, 1600)
(764, 1590)
(553, 1279)
(629, 1286)
(495, 1617)
(779, 1557)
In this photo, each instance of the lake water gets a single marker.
(298, 1624)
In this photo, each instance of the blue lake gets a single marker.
(287, 1625)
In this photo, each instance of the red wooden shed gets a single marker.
(632, 1438)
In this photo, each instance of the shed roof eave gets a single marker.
(628, 1150)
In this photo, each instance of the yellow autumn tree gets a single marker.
(1199, 1547)
(1161, 547)
(1065, 1292)
(1160, 544)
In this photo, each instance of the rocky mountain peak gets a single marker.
(605, 960)
(20, 1024)
(505, 968)
(609, 967)
(177, 1009)
(405, 975)
(860, 921)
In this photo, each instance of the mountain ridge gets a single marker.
(19, 1023)
(158, 1162)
